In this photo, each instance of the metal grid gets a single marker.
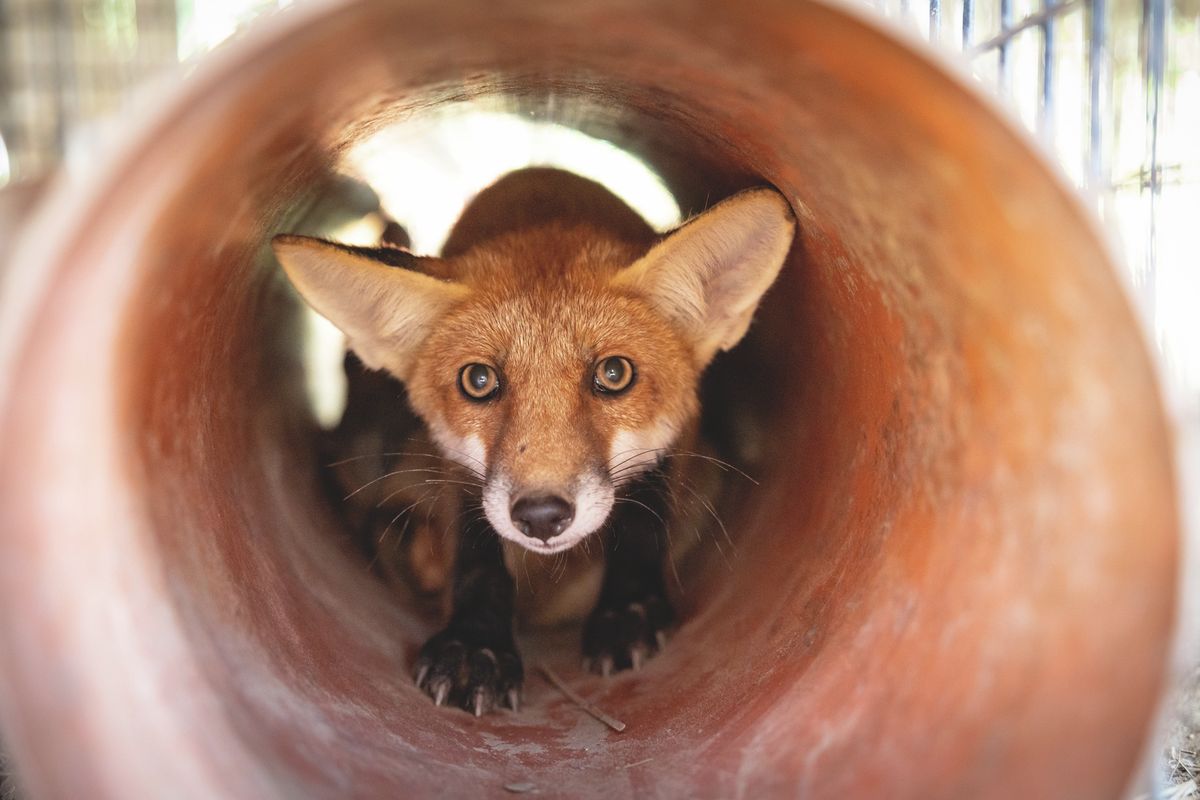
(64, 63)
(958, 23)
(1112, 90)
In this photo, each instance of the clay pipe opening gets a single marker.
(955, 577)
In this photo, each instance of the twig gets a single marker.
(615, 724)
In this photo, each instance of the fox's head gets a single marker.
(556, 363)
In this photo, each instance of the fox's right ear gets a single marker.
(384, 308)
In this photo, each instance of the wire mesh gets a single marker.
(67, 62)
(1112, 89)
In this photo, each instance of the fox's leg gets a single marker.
(630, 619)
(473, 662)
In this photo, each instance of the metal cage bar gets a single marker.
(1009, 30)
(1098, 57)
(1046, 91)
(1154, 38)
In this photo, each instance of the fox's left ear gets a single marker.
(708, 275)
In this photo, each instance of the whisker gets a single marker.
(386, 454)
(631, 465)
(636, 453)
(620, 453)
(717, 544)
(392, 474)
(412, 506)
(629, 473)
(472, 484)
(466, 528)
(724, 465)
(560, 566)
(671, 558)
(633, 452)
(663, 490)
(478, 473)
(470, 527)
(631, 501)
(616, 472)
(401, 490)
(449, 450)
(382, 536)
(404, 530)
(708, 506)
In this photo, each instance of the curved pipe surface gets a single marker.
(954, 579)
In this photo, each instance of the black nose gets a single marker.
(542, 516)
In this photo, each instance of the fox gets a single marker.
(553, 353)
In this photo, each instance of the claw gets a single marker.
(606, 666)
(514, 699)
(661, 638)
(458, 672)
(441, 692)
(637, 657)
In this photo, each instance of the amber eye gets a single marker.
(478, 381)
(614, 374)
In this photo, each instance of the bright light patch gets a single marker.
(426, 169)
(5, 168)
(204, 24)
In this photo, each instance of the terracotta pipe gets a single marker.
(955, 578)
(17, 201)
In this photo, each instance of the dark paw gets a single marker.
(616, 638)
(473, 677)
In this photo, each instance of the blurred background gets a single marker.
(1110, 89)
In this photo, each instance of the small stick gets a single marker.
(615, 724)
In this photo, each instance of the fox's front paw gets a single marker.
(617, 637)
(452, 669)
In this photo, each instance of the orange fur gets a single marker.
(546, 275)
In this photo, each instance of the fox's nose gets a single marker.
(542, 516)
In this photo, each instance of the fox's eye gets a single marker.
(614, 374)
(478, 381)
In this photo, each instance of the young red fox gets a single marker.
(553, 351)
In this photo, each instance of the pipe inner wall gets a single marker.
(955, 577)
